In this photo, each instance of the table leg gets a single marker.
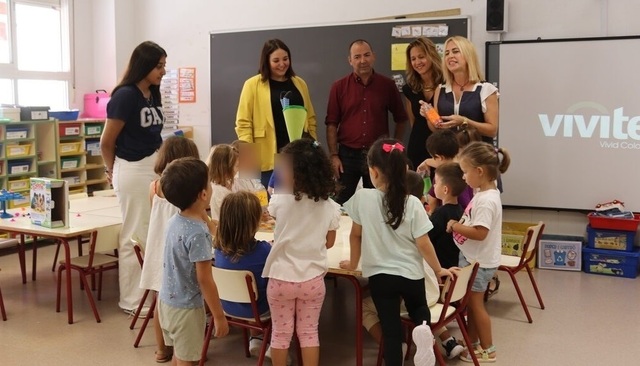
(35, 256)
(356, 283)
(67, 260)
(21, 258)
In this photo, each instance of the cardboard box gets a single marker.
(561, 255)
(49, 202)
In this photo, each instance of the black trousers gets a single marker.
(387, 291)
(354, 164)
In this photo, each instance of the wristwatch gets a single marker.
(465, 122)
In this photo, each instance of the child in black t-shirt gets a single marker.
(448, 185)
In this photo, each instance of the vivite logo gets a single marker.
(616, 130)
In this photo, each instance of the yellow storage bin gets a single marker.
(18, 150)
(70, 147)
(23, 202)
(18, 185)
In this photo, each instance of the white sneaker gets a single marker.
(268, 355)
(423, 338)
(143, 313)
(255, 345)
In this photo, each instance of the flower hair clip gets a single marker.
(390, 147)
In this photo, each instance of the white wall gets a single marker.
(182, 28)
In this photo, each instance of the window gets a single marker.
(35, 53)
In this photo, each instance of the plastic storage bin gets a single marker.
(93, 129)
(612, 263)
(18, 166)
(21, 202)
(69, 163)
(70, 147)
(11, 114)
(612, 223)
(34, 113)
(95, 104)
(14, 133)
(18, 185)
(610, 239)
(69, 129)
(65, 115)
(18, 150)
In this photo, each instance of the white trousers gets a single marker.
(131, 180)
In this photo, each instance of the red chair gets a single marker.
(456, 291)
(512, 264)
(96, 262)
(2, 310)
(240, 287)
(140, 255)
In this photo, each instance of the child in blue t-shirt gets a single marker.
(236, 248)
(186, 276)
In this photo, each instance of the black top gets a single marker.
(470, 106)
(143, 120)
(279, 88)
(446, 249)
(417, 150)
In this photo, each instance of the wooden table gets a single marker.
(340, 251)
(79, 224)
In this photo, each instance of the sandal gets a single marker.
(483, 355)
(163, 357)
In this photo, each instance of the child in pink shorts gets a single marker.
(306, 224)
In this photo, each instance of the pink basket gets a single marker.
(95, 104)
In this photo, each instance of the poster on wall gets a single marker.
(187, 85)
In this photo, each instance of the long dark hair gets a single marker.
(392, 164)
(270, 47)
(414, 80)
(144, 58)
(312, 171)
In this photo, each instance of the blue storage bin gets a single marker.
(610, 239)
(14, 133)
(612, 263)
(18, 166)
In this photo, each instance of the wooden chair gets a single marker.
(240, 287)
(96, 262)
(2, 310)
(456, 291)
(513, 264)
(140, 255)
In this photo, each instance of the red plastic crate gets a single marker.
(612, 223)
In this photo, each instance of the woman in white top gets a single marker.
(306, 224)
(173, 148)
(466, 99)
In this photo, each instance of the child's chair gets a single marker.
(2, 310)
(512, 264)
(456, 291)
(140, 255)
(240, 287)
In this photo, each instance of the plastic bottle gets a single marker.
(430, 113)
(261, 192)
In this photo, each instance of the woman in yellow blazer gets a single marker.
(259, 118)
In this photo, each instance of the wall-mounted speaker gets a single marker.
(497, 15)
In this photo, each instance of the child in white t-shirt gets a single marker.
(478, 235)
(223, 167)
(306, 224)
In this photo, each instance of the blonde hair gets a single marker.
(414, 80)
(484, 155)
(222, 162)
(240, 215)
(468, 50)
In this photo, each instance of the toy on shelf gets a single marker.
(6, 196)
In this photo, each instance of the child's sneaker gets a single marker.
(423, 338)
(453, 348)
(255, 345)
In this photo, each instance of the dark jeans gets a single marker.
(386, 293)
(354, 164)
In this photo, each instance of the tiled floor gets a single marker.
(589, 320)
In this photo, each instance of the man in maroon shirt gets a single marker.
(358, 115)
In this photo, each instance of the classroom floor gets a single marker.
(589, 319)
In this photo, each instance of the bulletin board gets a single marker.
(319, 55)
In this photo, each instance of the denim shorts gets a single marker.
(483, 277)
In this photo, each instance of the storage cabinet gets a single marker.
(80, 161)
